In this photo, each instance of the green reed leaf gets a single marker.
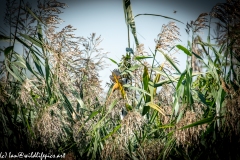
(185, 50)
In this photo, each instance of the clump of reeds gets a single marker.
(63, 73)
(4, 96)
(114, 149)
(233, 112)
(165, 95)
(196, 27)
(168, 36)
(116, 146)
(228, 15)
(140, 51)
(131, 123)
(49, 126)
(189, 136)
(227, 35)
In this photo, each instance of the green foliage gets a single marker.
(51, 99)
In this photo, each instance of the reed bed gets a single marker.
(51, 99)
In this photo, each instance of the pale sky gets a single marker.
(106, 18)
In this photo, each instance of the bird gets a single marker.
(118, 82)
(115, 73)
(123, 113)
(174, 11)
(115, 77)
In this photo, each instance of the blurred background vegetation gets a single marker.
(51, 99)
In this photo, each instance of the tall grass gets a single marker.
(51, 99)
